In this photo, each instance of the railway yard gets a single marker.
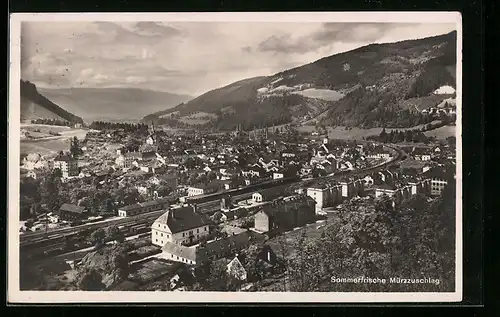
(71, 242)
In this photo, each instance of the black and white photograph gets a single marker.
(225, 157)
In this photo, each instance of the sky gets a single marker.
(189, 57)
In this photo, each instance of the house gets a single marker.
(232, 183)
(268, 194)
(179, 253)
(236, 270)
(53, 218)
(285, 214)
(390, 191)
(39, 227)
(380, 155)
(227, 247)
(325, 195)
(419, 186)
(70, 212)
(139, 208)
(128, 159)
(256, 171)
(67, 164)
(179, 225)
(251, 180)
(204, 253)
(34, 161)
(202, 189)
(368, 180)
(278, 175)
(351, 188)
(218, 217)
(420, 154)
(31, 174)
(439, 180)
(151, 140)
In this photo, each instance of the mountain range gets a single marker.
(93, 104)
(371, 86)
(112, 104)
(36, 106)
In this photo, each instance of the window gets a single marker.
(156, 240)
(205, 228)
(162, 234)
(177, 258)
(183, 234)
(197, 230)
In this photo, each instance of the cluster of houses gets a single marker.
(182, 232)
(438, 111)
(435, 153)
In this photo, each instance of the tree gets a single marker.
(98, 237)
(211, 175)
(91, 280)
(75, 148)
(114, 234)
(50, 195)
(451, 141)
(218, 279)
(120, 268)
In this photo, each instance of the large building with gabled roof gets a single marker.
(179, 225)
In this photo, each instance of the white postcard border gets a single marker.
(15, 295)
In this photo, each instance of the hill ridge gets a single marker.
(364, 87)
(30, 93)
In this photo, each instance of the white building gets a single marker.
(179, 225)
(67, 165)
(278, 175)
(325, 196)
(195, 191)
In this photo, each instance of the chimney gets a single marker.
(195, 209)
(171, 214)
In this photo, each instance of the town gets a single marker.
(138, 207)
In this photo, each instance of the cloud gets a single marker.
(247, 49)
(138, 33)
(283, 44)
(188, 57)
(332, 33)
(156, 28)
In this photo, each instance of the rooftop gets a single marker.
(182, 219)
(72, 208)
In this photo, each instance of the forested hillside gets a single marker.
(372, 86)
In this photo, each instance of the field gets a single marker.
(325, 94)
(198, 118)
(47, 143)
(44, 147)
(411, 163)
(354, 133)
(442, 133)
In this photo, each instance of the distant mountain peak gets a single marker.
(113, 103)
(36, 106)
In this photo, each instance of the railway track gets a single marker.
(55, 237)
